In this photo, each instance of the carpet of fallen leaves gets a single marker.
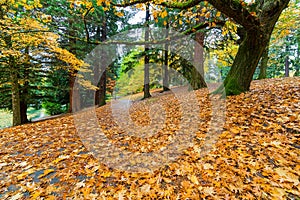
(257, 155)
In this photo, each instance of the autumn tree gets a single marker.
(26, 48)
(283, 51)
(257, 20)
(88, 24)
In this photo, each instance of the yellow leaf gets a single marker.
(60, 158)
(207, 15)
(164, 14)
(120, 14)
(209, 191)
(277, 193)
(218, 14)
(235, 130)
(207, 166)
(194, 179)
(36, 194)
(46, 172)
(24, 174)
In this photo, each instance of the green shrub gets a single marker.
(54, 108)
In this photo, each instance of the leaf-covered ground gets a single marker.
(256, 156)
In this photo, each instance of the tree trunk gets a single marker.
(258, 30)
(15, 87)
(197, 72)
(166, 63)
(264, 64)
(250, 51)
(199, 50)
(147, 59)
(286, 66)
(23, 110)
(24, 89)
(15, 93)
(297, 72)
(100, 94)
(73, 91)
(197, 81)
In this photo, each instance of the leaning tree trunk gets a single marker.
(250, 51)
(258, 30)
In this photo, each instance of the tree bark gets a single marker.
(286, 66)
(166, 63)
(297, 72)
(250, 51)
(73, 91)
(100, 94)
(15, 93)
(264, 64)
(253, 45)
(197, 81)
(147, 59)
(24, 89)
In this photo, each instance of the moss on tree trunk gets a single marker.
(250, 51)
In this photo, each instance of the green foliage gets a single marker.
(54, 108)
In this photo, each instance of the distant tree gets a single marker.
(27, 50)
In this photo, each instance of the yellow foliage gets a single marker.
(25, 32)
(164, 14)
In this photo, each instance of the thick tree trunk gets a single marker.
(198, 81)
(264, 64)
(166, 63)
(147, 59)
(258, 30)
(250, 51)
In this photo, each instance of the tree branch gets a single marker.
(235, 10)
(231, 8)
(162, 41)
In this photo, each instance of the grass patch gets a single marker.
(5, 118)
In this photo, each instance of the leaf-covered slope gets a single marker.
(256, 155)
